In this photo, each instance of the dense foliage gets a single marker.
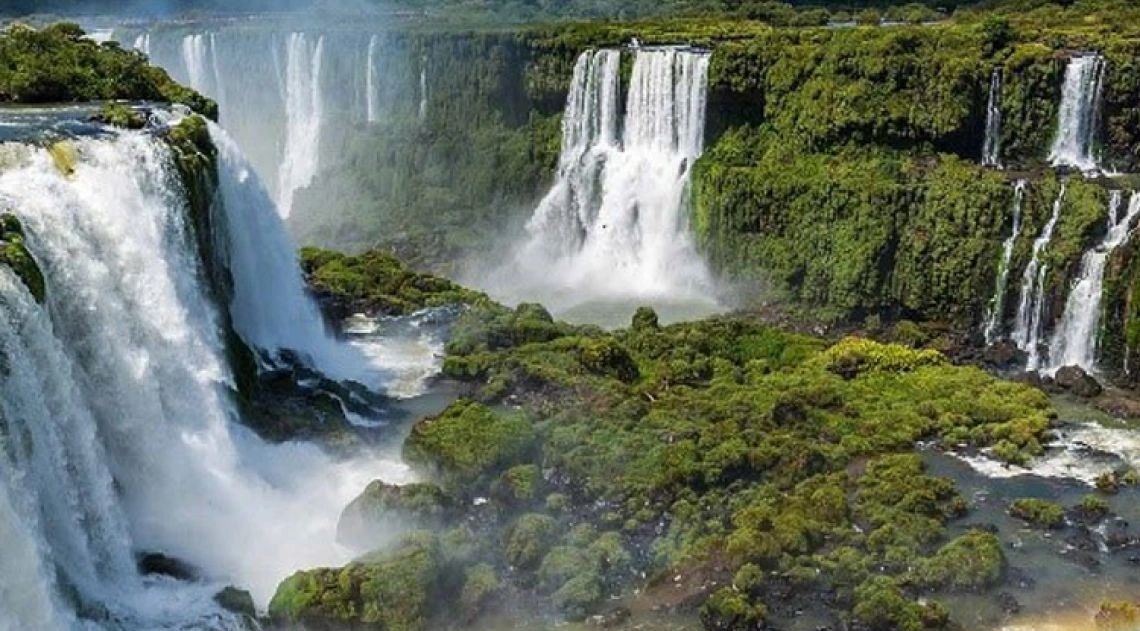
(719, 449)
(58, 64)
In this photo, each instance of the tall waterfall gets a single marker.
(997, 305)
(1075, 340)
(1078, 117)
(120, 436)
(991, 150)
(194, 59)
(1031, 306)
(422, 112)
(304, 109)
(615, 223)
(370, 82)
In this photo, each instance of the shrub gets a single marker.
(1040, 513)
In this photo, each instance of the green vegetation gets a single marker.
(1040, 513)
(376, 283)
(16, 256)
(121, 115)
(57, 64)
(775, 458)
(468, 440)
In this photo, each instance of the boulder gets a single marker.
(1075, 380)
(385, 510)
(156, 563)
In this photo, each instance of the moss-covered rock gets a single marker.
(480, 586)
(16, 256)
(237, 601)
(376, 283)
(468, 440)
(383, 510)
(529, 539)
(386, 590)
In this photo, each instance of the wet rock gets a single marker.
(1020, 578)
(156, 563)
(236, 600)
(1075, 380)
(612, 618)
(1119, 405)
(1003, 355)
(1008, 604)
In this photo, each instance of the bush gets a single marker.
(1037, 512)
(729, 610)
(529, 540)
(973, 561)
(468, 440)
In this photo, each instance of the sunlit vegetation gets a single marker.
(586, 458)
(57, 64)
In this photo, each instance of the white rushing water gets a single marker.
(304, 111)
(1075, 340)
(1031, 306)
(1001, 285)
(615, 223)
(119, 434)
(142, 43)
(423, 108)
(1078, 118)
(370, 82)
(991, 150)
(194, 60)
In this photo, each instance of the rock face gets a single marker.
(1075, 380)
(384, 510)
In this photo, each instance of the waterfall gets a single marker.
(614, 225)
(423, 91)
(1075, 341)
(304, 110)
(194, 60)
(1030, 308)
(997, 305)
(991, 150)
(370, 81)
(142, 43)
(1078, 117)
(120, 434)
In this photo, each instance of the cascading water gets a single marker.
(194, 60)
(142, 43)
(991, 150)
(1075, 340)
(119, 432)
(1030, 308)
(304, 109)
(997, 305)
(614, 224)
(370, 82)
(422, 112)
(1078, 118)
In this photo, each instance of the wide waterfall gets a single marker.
(289, 97)
(1075, 143)
(1001, 286)
(991, 150)
(1075, 340)
(1031, 306)
(120, 434)
(614, 225)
